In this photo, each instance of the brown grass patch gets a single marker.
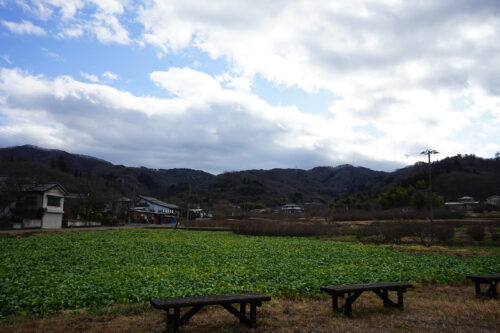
(435, 249)
(431, 308)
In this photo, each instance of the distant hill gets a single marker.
(456, 176)
(277, 186)
(452, 177)
(81, 173)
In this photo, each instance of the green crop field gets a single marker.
(47, 273)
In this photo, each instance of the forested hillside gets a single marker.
(453, 177)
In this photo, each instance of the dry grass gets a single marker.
(430, 308)
(438, 250)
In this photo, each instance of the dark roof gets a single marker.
(159, 202)
(77, 195)
(43, 188)
(122, 199)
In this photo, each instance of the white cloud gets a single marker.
(238, 83)
(71, 32)
(185, 82)
(395, 68)
(52, 55)
(108, 29)
(90, 77)
(215, 131)
(346, 47)
(75, 17)
(23, 28)
(6, 59)
(110, 76)
(207, 126)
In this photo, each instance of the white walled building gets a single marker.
(48, 201)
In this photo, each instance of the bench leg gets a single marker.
(170, 321)
(243, 311)
(335, 304)
(243, 319)
(349, 300)
(400, 299)
(478, 288)
(173, 315)
(253, 315)
(177, 317)
(492, 290)
(387, 303)
(384, 295)
(348, 305)
(184, 319)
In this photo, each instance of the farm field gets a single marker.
(53, 272)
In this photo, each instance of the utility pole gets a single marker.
(189, 199)
(187, 210)
(429, 152)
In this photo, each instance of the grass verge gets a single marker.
(429, 308)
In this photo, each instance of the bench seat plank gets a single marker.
(366, 287)
(485, 277)
(164, 303)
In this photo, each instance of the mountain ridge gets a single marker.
(453, 176)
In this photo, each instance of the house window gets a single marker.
(53, 201)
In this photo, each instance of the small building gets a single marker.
(153, 211)
(291, 209)
(198, 213)
(44, 205)
(493, 200)
(462, 204)
(466, 199)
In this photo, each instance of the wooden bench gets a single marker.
(351, 292)
(173, 305)
(492, 279)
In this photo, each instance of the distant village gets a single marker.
(43, 206)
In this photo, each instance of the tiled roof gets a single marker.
(159, 202)
(42, 187)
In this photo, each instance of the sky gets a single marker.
(227, 85)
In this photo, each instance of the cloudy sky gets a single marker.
(229, 85)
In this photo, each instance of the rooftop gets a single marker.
(158, 202)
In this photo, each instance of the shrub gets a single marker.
(476, 232)
(278, 228)
(393, 232)
(421, 231)
(495, 235)
(366, 231)
(444, 232)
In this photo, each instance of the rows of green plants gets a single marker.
(47, 273)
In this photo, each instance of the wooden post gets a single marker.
(243, 310)
(170, 320)
(335, 304)
(348, 305)
(386, 296)
(253, 315)
(492, 290)
(478, 287)
(400, 298)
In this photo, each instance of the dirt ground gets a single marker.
(430, 308)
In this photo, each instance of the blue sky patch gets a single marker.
(281, 95)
